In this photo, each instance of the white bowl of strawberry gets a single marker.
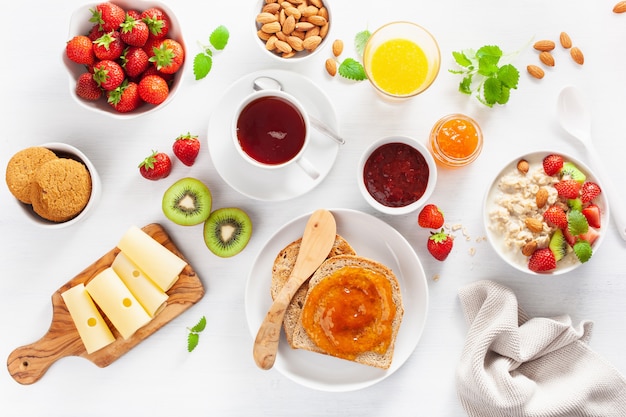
(545, 213)
(124, 58)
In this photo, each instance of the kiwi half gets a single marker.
(187, 202)
(227, 231)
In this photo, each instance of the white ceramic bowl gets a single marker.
(80, 24)
(497, 238)
(300, 55)
(429, 164)
(68, 151)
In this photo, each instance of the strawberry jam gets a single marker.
(271, 130)
(396, 174)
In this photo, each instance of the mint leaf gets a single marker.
(360, 40)
(219, 37)
(352, 70)
(509, 75)
(577, 223)
(202, 64)
(461, 59)
(492, 91)
(465, 86)
(199, 326)
(192, 341)
(583, 250)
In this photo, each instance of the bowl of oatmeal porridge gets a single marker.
(522, 213)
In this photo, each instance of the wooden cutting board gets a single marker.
(27, 364)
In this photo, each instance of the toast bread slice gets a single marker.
(281, 269)
(301, 339)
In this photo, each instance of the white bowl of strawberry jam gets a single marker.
(397, 175)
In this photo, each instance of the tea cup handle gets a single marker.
(308, 168)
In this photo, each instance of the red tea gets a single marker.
(271, 130)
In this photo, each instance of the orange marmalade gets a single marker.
(350, 312)
(456, 140)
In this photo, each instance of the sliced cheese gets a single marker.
(91, 327)
(160, 264)
(117, 303)
(151, 297)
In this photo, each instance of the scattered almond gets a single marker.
(566, 41)
(541, 198)
(522, 166)
(577, 55)
(544, 45)
(337, 47)
(534, 225)
(535, 71)
(547, 58)
(529, 248)
(620, 7)
(331, 67)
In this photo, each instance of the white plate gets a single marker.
(514, 257)
(279, 184)
(372, 238)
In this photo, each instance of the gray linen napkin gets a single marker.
(513, 365)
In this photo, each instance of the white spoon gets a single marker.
(575, 117)
(268, 83)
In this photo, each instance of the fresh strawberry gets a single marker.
(153, 89)
(156, 166)
(440, 244)
(186, 148)
(592, 213)
(134, 61)
(430, 217)
(80, 50)
(135, 14)
(108, 16)
(158, 22)
(590, 236)
(109, 46)
(552, 164)
(134, 31)
(125, 98)
(542, 260)
(95, 32)
(568, 188)
(150, 45)
(151, 70)
(108, 74)
(168, 56)
(87, 88)
(556, 216)
(569, 237)
(590, 190)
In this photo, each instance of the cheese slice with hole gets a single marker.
(149, 295)
(160, 264)
(92, 329)
(117, 302)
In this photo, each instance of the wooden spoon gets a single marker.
(317, 241)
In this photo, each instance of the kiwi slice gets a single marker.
(227, 231)
(572, 171)
(187, 202)
(558, 245)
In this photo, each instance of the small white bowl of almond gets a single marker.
(292, 31)
(545, 213)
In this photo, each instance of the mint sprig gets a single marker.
(203, 61)
(350, 68)
(485, 76)
(194, 334)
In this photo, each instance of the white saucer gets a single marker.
(278, 184)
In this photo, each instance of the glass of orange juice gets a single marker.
(401, 59)
(456, 140)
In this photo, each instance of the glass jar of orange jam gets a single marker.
(456, 140)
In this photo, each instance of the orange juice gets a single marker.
(399, 67)
(456, 140)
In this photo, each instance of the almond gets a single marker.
(547, 58)
(292, 11)
(324, 30)
(272, 27)
(620, 7)
(566, 41)
(522, 166)
(541, 198)
(304, 26)
(283, 47)
(323, 12)
(317, 3)
(289, 25)
(535, 71)
(311, 42)
(534, 225)
(296, 43)
(331, 67)
(310, 11)
(337, 47)
(577, 55)
(544, 45)
(317, 20)
(271, 8)
(266, 17)
(529, 248)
